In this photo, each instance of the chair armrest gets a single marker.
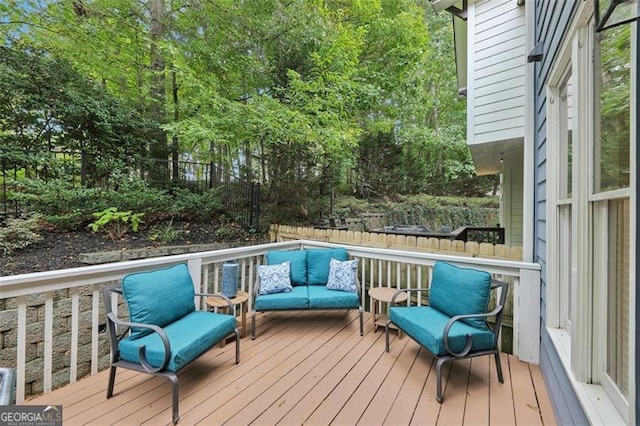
(141, 349)
(406, 290)
(469, 343)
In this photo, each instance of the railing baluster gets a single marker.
(21, 355)
(95, 325)
(75, 313)
(48, 340)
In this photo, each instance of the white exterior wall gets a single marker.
(511, 207)
(496, 72)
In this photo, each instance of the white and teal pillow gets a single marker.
(342, 275)
(274, 278)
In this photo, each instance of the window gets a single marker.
(589, 189)
(610, 201)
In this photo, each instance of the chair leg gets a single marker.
(386, 335)
(112, 381)
(499, 367)
(237, 346)
(174, 383)
(439, 393)
(253, 325)
(361, 322)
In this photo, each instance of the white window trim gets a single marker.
(598, 407)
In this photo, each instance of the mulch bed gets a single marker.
(60, 250)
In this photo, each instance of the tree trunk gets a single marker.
(158, 149)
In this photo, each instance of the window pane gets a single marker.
(618, 294)
(566, 136)
(612, 147)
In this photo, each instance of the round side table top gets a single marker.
(384, 294)
(219, 302)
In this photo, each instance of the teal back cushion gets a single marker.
(318, 263)
(158, 297)
(460, 291)
(298, 259)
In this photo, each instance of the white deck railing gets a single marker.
(378, 267)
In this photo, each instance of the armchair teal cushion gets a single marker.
(318, 263)
(298, 259)
(460, 291)
(158, 297)
(426, 326)
(189, 337)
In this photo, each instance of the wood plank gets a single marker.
(329, 408)
(544, 403)
(361, 398)
(314, 368)
(428, 408)
(304, 397)
(405, 404)
(476, 409)
(199, 402)
(501, 401)
(524, 397)
(388, 392)
(455, 393)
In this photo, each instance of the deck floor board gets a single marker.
(314, 368)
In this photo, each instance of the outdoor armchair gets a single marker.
(455, 324)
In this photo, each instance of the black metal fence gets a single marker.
(240, 199)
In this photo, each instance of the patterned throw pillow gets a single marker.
(342, 275)
(274, 278)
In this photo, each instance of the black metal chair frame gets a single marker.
(145, 367)
(497, 313)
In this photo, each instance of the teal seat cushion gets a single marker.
(318, 263)
(158, 297)
(298, 298)
(321, 297)
(460, 291)
(189, 337)
(298, 259)
(426, 325)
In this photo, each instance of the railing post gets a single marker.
(83, 168)
(526, 316)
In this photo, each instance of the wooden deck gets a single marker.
(314, 368)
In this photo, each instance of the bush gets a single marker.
(193, 206)
(116, 223)
(19, 233)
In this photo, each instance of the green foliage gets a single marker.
(303, 95)
(192, 206)
(19, 233)
(165, 233)
(431, 211)
(116, 223)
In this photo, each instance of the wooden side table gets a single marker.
(384, 294)
(241, 298)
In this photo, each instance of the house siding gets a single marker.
(551, 23)
(511, 214)
(497, 98)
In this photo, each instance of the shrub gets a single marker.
(116, 223)
(193, 206)
(19, 233)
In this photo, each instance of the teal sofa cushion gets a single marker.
(426, 325)
(298, 298)
(321, 297)
(460, 291)
(189, 337)
(298, 259)
(159, 297)
(318, 263)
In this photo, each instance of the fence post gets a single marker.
(83, 168)
(255, 206)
